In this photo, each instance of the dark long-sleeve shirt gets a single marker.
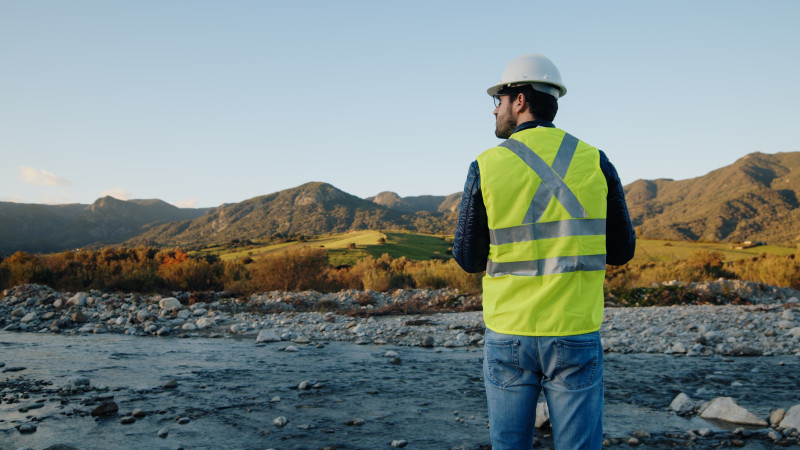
(471, 246)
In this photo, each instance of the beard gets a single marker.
(504, 126)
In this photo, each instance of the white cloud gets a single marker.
(40, 177)
(118, 193)
(188, 203)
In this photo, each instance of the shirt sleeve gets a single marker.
(620, 235)
(471, 244)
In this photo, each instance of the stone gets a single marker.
(787, 314)
(785, 324)
(391, 354)
(79, 317)
(280, 422)
(189, 327)
(633, 441)
(170, 384)
(184, 420)
(305, 385)
(127, 420)
(79, 381)
(542, 415)
(795, 331)
(78, 299)
(357, 422)
(19, 312)
(301, 340)
(683, 405)
(163, 433)
(26, 428)
(725, 409)
(427, 341)
(776, 416)
(105, 409)
(399, 443)
(205, 322)
(30, 317)
(640, 434)
(138, 413)
(267, 336)
(169, 303)
(792, 418)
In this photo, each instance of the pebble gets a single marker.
(163, 433)
(127, 420)
(399, 443)
(170, 384)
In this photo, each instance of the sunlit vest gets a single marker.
(545, 198)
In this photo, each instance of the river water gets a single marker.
(431, 398)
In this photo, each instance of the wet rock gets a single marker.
(163, 433)
(725, 409)
(356, 422)
(14, 369)
(792, 418)
(427, 341)
(127, 420)
(170, 384)
(633, 441)
(280, 422)
(640, 434)
(27, 428)
(305, 385)
(183, 420)
(138, 413)
(683, 405)
(105, 409)
(30, 317)
(399, 443)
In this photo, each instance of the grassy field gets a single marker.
(648, 250)
(349, 248)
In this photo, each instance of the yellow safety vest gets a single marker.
(545, 198)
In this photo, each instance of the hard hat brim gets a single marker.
(556, 90)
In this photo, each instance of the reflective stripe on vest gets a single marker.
(552, 182)
(547, 266)
(552, 185)
(547, 230)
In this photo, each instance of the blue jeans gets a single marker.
(568, 369)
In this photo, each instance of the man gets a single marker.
(542, 213)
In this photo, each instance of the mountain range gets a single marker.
(755, 198)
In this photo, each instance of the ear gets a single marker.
(520, 103)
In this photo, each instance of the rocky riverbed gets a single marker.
(360, 379)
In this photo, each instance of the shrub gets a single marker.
(290, 270)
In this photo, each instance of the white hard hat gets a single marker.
(533, 69)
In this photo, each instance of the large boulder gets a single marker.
(725, 409)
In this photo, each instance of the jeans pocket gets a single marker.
(577, 362)
(501, 359)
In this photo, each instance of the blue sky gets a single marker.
(200, 102)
